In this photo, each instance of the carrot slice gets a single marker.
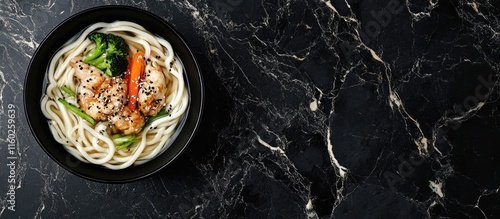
(136, 69)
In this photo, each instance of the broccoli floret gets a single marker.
(113, 60)
(114, 65)
(116, 45)
(100, 45)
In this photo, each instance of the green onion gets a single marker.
(122, 142)
(68, 91)
(163, 112)
(78, 111)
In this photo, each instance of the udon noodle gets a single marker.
(93, 144)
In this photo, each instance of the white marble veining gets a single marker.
(317, 109)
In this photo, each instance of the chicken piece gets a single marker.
(98, 95)
(152, 93)
(127, 121)
(104, 98)
(112, 94)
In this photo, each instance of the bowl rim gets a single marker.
(198, 114)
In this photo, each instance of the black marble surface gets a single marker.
(315, 109)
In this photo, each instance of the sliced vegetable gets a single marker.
(136, 68)
(126, 75)
(163, 112)
(68, 91)
(77, 111)
(122, 142)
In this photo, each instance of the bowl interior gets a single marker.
(34, 89)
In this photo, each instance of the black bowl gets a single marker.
(34, 90)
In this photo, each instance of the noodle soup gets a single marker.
(92, 122)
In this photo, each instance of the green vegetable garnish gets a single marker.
(77, 111)
(68, 91)
(109, 55)
(122, 142)
(163, 112)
